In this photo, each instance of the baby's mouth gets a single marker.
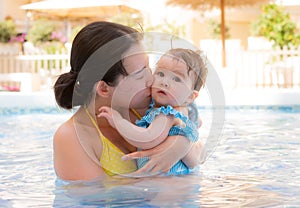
(161, 92)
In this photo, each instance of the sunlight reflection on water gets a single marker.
(256, 164)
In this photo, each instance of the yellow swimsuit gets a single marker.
(110, 159)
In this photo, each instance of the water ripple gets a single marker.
(256, 164)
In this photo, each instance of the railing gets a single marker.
(245, 69)
(52, 64)
(15, 70)
(259, 68)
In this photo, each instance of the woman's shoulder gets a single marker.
(65, 132)
(71, 162)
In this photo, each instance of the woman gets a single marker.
(108, 68)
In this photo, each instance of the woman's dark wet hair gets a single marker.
(90, 40)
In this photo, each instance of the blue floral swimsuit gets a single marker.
(189, 131)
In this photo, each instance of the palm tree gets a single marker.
(210, 4)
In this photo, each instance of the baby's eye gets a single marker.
(176, 79)
(161, 74)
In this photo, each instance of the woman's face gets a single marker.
(133, 91)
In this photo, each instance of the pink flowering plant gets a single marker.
(43, 35)
(45, 31)
(18, 38)
(58, 36)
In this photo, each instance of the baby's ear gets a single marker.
(193, 96)
(103, 89)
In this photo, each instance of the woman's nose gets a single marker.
(149, 80)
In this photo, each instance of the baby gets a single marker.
(179, 75)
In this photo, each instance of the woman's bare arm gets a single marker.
(70, 160)
(167, 154)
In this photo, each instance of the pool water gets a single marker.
(256, 164)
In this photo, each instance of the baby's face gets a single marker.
(172, 84)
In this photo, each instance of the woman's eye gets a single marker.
(176, 79)
(140, 77)
(140, 74)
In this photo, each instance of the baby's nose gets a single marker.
(164, 83)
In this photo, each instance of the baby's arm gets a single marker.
(175, 148)
(147, 137)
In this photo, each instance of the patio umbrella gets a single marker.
(221, 4)
(79, 8)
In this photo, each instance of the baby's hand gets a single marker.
(110, 114)
(184, 111)
(179, 122)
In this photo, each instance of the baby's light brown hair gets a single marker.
(195, 62)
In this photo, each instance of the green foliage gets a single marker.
(166, 27)
(215, 30)
(129, 19)
(74, 32)
(276, 25)
(41, 31)
(136, 21)
(43, 35)
(7, 30)
(52, 47)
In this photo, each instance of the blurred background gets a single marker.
(251, 44)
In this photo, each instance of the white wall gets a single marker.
(2, 9)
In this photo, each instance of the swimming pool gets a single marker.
(256, 164)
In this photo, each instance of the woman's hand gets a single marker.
(163, 156)
(195, 156)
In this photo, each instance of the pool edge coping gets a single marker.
(233, 97)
